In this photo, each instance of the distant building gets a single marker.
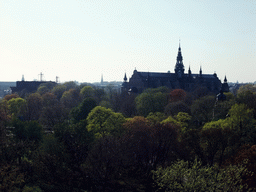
(28, 86)
(178, 80)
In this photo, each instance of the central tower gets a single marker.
(179, 67)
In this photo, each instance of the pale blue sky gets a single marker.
(82, 39)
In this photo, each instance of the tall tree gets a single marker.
(87, 91)
(83, 109)
(103, 121)
(52, 111)
(34, 106)
(71, 98)
(15, 106)
(148, 102)
(202, 109)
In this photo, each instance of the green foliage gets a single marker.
(125, 163)
(183, 176)
(34, 106)
(15, 105)
(170, 120)
(28, 130)
(99, 94)
(50, 165)
(105, 104)
(200, 91)
(45, 87)
(247, 95)
(53, 111)
(42, 90)
(103, 121)
(31, 189)
(4, 112)
(70, 98)
(48, 85)
(221, 123)
(239, 112)
(242, 122)
(83, 109)
(162, 89)
(59, 90)
(229, 96)
(127, 105)
(156, 118)
(202, 109)
(240, 118)
(9, 97)
(70, 85)
(174, 108)
(245, 88)
(75, 138)
(11, 177)
(222, 108)
(87, 91)
(150, 101)
(99, 150)
(182, 120)
(136, 122)
(216, 143)
(221, 138)
(53, 147)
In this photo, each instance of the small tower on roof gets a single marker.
(125, 78)
(225, 87)
(189, 71)
(124, 87)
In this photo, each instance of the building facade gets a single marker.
(177, 80)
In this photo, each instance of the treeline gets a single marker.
(83, 138)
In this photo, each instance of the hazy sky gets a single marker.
(82, 39)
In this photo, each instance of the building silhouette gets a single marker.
(29, 86)
(178, 80)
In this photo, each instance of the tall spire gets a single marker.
(200, 72)
(179, 67)
(101, 79)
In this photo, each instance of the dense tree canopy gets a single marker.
(70, 137)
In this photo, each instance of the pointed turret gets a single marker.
(124, 87)
(125, 78)
(189, 71)
(225, 87)
(225, 79)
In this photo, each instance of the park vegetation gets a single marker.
(73, 137)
